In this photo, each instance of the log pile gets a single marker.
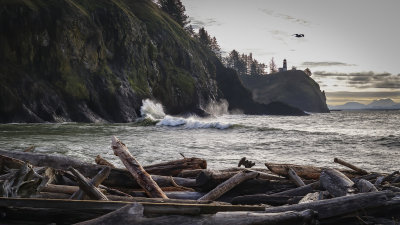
(43, 189)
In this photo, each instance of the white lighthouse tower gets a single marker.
(284, 65)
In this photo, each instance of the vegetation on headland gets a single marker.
(68, 60)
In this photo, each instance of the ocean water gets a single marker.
(368, 139)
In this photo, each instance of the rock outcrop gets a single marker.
(294, 88)
(88, 61)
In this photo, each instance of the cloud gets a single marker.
(315, 64)
(196, 24)
(285, 17)
(364, 79)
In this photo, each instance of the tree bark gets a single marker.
(351, 166)
(228, 185)
(87, 187)
(137, 171)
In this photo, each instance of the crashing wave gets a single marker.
(154, 112)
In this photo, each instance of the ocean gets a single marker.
(368, 139)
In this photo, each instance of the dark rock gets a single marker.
(294, 88)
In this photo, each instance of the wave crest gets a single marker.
(153, 113)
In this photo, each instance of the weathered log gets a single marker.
(310, 197)
(390, 177)
(303, 171)
(339, 206)
(49, 195)
(137, 171)
(117, 177)
(136, 213)
(306, 172)
(173, 168)
(9, 163)
(396, 180)
(101, 161)
(96, 181)
(184, 195)
(365, 186)
(336, 183)
(300, 191)
(295, 178)
(65, 189)
(351, 166)
(228, 185)
(196, 172)
(208, 179)
(265, 199)
(159, 206)
(87, 187)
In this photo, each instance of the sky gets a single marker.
(351, 46)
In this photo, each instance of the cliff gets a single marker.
(294, 88)
(89, 61)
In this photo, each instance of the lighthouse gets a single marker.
(284, 65)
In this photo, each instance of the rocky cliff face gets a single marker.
(294, 88)
(88, 61)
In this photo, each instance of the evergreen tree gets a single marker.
(176, 10)
(215, 47)
(272, 66)
(308, 72)
(204, 38)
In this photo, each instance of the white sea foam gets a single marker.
(154, 111)
(192, 123)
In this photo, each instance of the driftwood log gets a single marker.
(351, 166)
(117, 177)
(303, 171)
(87, 187)
(228, 185)
(103, 162)
(336, 183)
(365, 186)
(136, 213)
(341, 205)
(300, 191)
(96, 181)
(295, 178)
(137, 171)
(173, 168)
(208, 179)
(265, 199)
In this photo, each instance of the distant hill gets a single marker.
(376, 104)
(293, 87)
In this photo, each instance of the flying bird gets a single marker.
(298, 35)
